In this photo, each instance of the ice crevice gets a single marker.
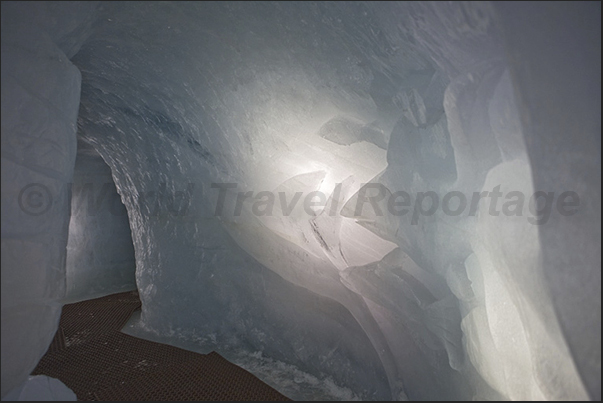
(308, 189)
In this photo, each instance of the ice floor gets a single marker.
(286, 378)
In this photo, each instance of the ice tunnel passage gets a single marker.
(100, 254)
(213, 117)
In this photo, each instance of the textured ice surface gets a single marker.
(271, 100)
(41, 388)
(518, 306)
(40, 97)
(294, 383)
(100, 254)
(288, 379)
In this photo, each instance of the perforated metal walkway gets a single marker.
(91, 356)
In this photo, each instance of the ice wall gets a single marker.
(562, 125)
(193, 104)
(40, 98)
(40, 101)
(100, 254)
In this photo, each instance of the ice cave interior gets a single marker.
(311, 188)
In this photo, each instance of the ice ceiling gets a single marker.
(235, 108)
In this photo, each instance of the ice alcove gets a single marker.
(353, 200)
(100, 254)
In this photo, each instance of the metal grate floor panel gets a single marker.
(91, 356)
